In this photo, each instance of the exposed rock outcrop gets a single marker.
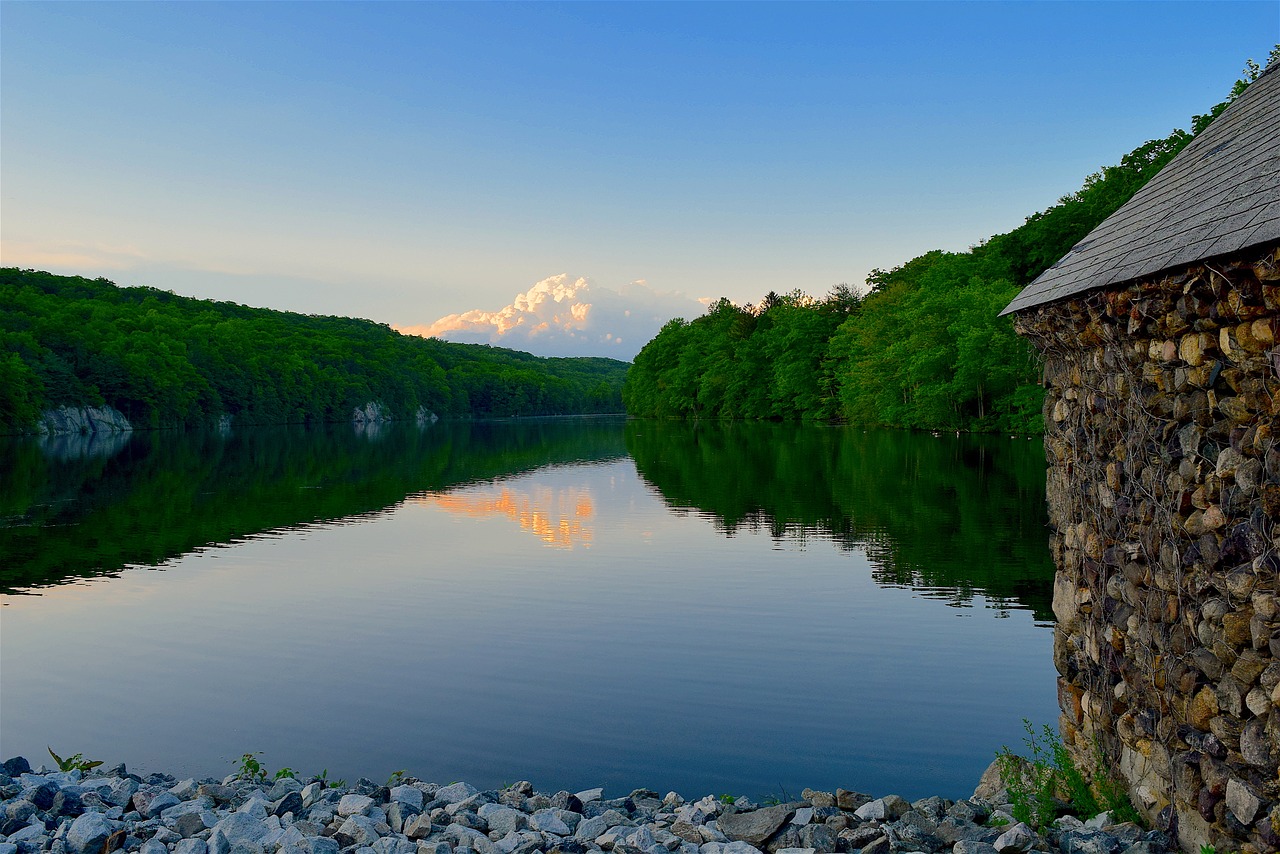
(83, 419)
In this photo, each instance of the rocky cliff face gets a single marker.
(84, 420)
(1164, 491)
(374, 412)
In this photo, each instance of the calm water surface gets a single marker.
(721, 608)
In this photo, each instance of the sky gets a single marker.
(563, 178)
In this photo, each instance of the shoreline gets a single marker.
(102, 811)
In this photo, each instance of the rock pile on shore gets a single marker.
(75, 813)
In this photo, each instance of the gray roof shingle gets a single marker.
(1219, 195)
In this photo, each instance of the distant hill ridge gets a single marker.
(164, 360)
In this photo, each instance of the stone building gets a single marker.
(1159, 331)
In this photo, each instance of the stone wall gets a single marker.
(1164, 490)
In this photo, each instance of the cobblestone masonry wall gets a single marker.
(1164, 490)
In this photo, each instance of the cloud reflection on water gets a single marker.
(555, 515)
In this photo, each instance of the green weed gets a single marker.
(74, 762)
(251, 768)
(323, 779)
(1039, 785)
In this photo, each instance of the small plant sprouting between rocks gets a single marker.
(74, 762)
(396, 778)
(1112, 794)
(285, 772)
(251, 768)
(323, 780)
(1042, 785)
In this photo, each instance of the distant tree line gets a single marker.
(170, 361)
(923, 348)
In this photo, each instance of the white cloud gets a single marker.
(560, 316)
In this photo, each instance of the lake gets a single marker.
(712, 608)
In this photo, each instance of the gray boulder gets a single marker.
(590, 829)
(736, 847)
(359, 829)
(456, 793)
(354, 805)
(418, 827)
(888, 808)
(818, 837)
(952, 830)
(158, 804)
(189, 824)
(16, 767)
(291, 802)
(185, 790)
(756, 826)
(282, 787)
(88, 833)
(27, 834)
(218, 843)
(241, 828)
(398, 815)
(969, 846)
(1090, 842)
(465, 837)
(121, 791)
(410, 796)
(503, 820)
(1016, 840)
(394, 845)
(548, 821)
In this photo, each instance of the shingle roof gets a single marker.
(1218, 195)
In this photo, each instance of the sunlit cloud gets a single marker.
(560, 316)
(558, 517)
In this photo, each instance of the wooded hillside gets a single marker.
(923, 347)
(171, 361)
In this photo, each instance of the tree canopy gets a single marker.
(171, 361)
(923, 348)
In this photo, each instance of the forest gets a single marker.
(171, 361)
(922, 346)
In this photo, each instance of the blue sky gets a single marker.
(409, 161)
